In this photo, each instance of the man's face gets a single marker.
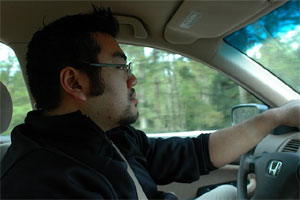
(117, 105)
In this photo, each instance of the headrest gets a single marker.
(6, 109)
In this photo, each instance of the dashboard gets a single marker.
(280, 142)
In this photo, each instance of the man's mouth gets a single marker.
(132, 96)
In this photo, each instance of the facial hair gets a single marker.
(128, 117)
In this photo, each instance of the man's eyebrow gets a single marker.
(121, 55)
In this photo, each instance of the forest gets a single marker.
(178, 94)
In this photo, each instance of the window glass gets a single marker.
(178, 94)
(11, 76)
(274, 42)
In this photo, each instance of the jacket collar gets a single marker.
(71, 124)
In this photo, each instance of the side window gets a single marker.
(178, 94)
(11, 76)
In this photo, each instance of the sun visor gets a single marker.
(209, 19)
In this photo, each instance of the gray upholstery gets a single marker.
(6, 109)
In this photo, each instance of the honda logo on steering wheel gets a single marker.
(274, 168)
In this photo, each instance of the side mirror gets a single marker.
(243, 112)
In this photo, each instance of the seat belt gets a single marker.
(139, 189)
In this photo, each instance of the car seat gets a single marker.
(6, 111)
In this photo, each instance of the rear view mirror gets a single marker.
(243, 112)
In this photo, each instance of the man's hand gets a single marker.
(228, 144)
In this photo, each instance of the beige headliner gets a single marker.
(152, 23)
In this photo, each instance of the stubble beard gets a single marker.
(128, 117)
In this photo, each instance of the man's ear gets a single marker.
(74, 83)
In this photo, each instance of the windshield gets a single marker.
(273, 41)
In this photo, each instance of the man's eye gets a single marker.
(122, 67)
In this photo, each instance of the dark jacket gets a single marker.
(69, 156)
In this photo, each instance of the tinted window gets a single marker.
(274, 42)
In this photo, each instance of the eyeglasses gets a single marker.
(126, 67)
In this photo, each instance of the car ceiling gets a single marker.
(161, 20)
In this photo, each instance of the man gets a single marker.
(78, 143)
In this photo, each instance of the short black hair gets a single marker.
(67, 41)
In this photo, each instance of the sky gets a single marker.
(5, 51)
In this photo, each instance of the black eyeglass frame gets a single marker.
(126, 67)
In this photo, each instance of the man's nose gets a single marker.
(131, 81)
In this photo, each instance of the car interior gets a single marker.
(195, 29)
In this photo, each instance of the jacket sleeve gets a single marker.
(177, 159)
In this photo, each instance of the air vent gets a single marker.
(292, 146)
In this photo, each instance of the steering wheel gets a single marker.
(277, 175)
